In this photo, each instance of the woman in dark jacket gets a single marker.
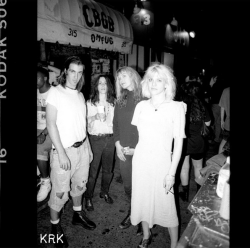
(194, 145)
(128, 93)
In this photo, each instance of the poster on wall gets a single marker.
(96, 67)
(121, 60)
(106, 66)
(100, 66)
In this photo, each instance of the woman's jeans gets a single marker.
(103, 149)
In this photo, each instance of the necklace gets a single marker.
(156, 106)
(70, 88)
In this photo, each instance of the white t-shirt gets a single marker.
(98, 127)
(41, 109)
(71, 114)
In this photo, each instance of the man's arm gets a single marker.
(51, 117)
(222, 109)
(222, 114)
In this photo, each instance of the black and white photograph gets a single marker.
(124, 140)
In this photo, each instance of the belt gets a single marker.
(79, 143)
(103, 135)
(75, 145)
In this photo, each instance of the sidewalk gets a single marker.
(108, 217)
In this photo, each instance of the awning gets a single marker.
(85, 23)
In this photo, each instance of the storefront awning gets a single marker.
(85, 23)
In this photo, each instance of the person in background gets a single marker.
(194, 145)
(225, 116)
(128, 93)
(214, 164)
(54, 73)
(44, 143)
(192, 78)
(160, 122)
(71, 152)
(216, 88)
(100, 129)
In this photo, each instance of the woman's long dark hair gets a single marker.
(191, 95)
(94, 96)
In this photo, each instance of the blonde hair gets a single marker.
(166, 73)
(121, 94)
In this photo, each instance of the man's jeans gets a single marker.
(103, 149)
(73, 180)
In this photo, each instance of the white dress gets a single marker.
(152, 160)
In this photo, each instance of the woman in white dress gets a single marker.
(160, 121)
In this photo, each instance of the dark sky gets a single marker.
(213, 21)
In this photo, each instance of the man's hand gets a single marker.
(89, 149)
(41, 138)
(64, 161)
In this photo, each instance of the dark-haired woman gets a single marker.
(100, 113)
(194, 145)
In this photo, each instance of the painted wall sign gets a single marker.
(101, 39)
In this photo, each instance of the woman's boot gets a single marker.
(184, 194)
(126, 222)
(198, 187)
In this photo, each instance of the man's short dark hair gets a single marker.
(43, 71)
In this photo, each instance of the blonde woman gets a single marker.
(128, 94)
(159, 121)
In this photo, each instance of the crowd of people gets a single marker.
(139, 120)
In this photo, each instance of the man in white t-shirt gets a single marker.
(44, 143)
(71, 153)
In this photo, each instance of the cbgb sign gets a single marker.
(100, 19)
(84, 22)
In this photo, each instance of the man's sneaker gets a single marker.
(44, 189)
